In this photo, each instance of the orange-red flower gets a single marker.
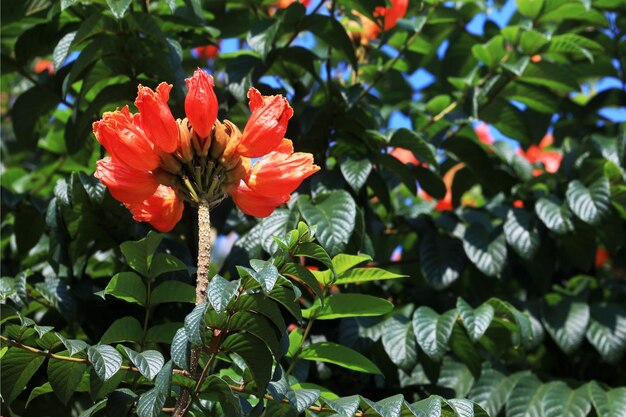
(201, 103)
(283, 4)
(208, 51)
(551, 160)
(125, 141)
(156, 162)
(445, 204)
(42, 65)
(267, 125)
(484, 134)
(602, 257)
(156, 117)
(281, 172)
(126, 184)
(255, 204)
(163, 209)
(404, 155)
(388, 16)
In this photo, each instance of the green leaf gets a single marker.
(287, 297)
(560, 401)
(262, 305)
(487, 250)
(220, 292)
(139, 253)
(106, 361)
(256, 325)
(265, 273)
(334, 214)
(62, 49)
(332, 32)
(118, 7)
(550, 75)
(476, 322)
(555, 216)
(28, 108)
(607, 404)
(349, 305)
(180, 349)
(39, 391)
(344, 262)
(314, 251)
(173, 292)
(127, 286)
(566, 320)
(64, 376)
(526, 398)
(303, 274)
(339, 355)
(355, 170)
(607, 331)
(261, 36)
(151, 402)
(407, 139)
(18, 366)
(256, 355)
(164, 262)
(149, 362)
(73, 346)
(530, 8)
(358, 275)
(399, 342)
(94, 409)
(591, 204)
(99, 389)
(126, 329)
(433, 331)
(194, 324)
(163, 333)
(492, 390)
(442, 259)
(521, 234)
(576, 45)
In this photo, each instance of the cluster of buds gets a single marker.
(157, 163)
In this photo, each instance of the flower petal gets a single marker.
(201, 103)
(156, 117)
(280, 173)
(125, 184)
(267, 125)
(163, 210)
(125, 141)
(255, 204)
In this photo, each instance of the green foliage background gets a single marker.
(493, 309)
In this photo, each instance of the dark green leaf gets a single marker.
(172, 292)
(18, 367)
(127, 286)
(334, 214)
(64, 376)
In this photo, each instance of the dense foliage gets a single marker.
(426, 270)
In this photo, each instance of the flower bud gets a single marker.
(156, 117)
(201, 103)
(184, 141)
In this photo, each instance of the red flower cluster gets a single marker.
(208, 51)
(551, 160)
(388, 16)
(156, 162)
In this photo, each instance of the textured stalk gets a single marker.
(202, 283)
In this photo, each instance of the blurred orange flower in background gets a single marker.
(551, 160)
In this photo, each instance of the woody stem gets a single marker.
(202, 283)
